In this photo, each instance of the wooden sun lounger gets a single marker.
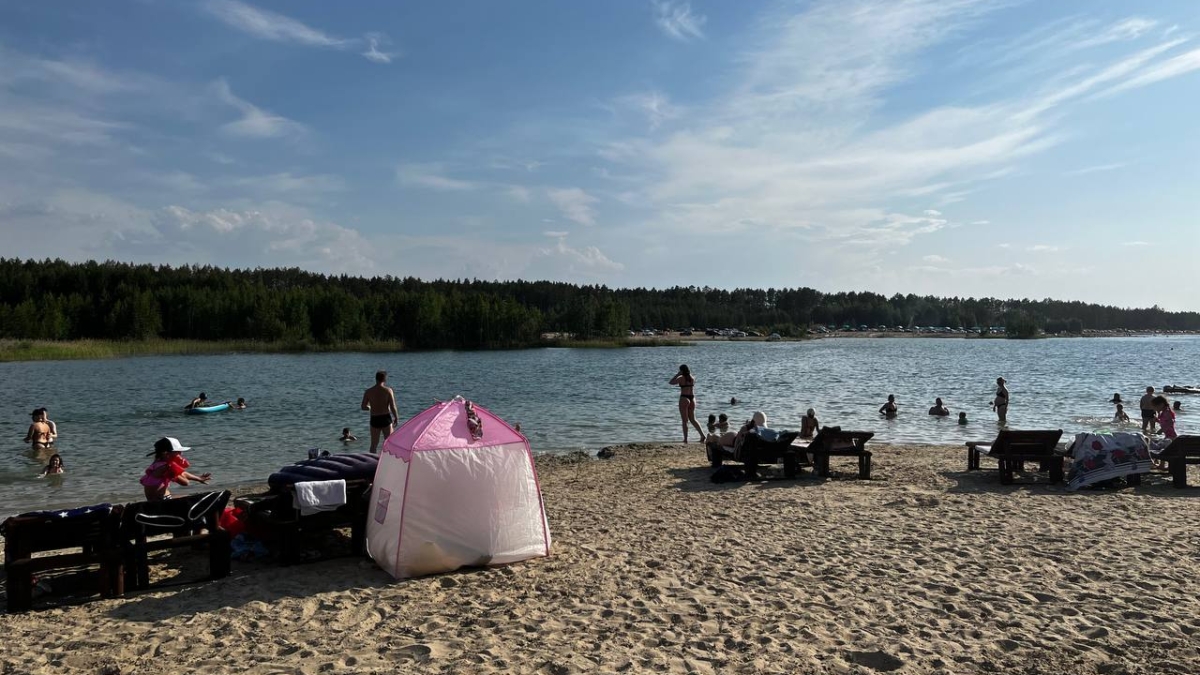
(1182, 451)
(93, 535)
(1013, 448)
(276, 516)
(181, 517)
(833, 442)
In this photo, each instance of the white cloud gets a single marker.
(655, 106)
(1004, 245)
(1097, 168)
(1174, 67)
(287, 183)
(931, 212)
(563, 261)
(430, 176)
(575, 204)
(268, 25)
(519, 193)
(676, 20)
(278, 233)
(255, 122)
(555, 234)
(1043, 248)
(374, 42)
(934, 259)
(1135, 243)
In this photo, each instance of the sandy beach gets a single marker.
(923, 569)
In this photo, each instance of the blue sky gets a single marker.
(953, 147)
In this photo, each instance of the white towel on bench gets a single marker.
(319, 495)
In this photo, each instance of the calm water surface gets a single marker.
(110, 412)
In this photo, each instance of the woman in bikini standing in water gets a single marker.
(687, 402)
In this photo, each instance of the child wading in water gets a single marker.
(169, 467)
(54, 467)
(347, 436)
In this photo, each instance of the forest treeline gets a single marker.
(57, 300)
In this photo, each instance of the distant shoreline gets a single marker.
(74, 350)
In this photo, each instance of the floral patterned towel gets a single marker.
(1101, 457)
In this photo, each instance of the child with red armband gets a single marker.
(169, 467)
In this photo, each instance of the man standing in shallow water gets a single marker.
(1148, 414)
(381, 401)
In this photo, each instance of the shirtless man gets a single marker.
(939, 409)
(198, 402)
(39, 435)
(381, 401)
(1148, 415)
(1000, 403)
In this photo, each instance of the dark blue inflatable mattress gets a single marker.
(354, 466)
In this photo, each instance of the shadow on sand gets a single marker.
(699, 479)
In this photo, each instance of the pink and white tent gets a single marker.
(446, 498)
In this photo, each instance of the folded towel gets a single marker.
(319, 495)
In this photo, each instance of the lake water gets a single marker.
(109, 413)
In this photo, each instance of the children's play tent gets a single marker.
(455, 487)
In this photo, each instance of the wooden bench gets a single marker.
(191, 521)
(92, 530)
(1182, 451)
(1013, 448)
(275, 514)
(833, 442)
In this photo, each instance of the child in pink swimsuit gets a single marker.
(1166, 422)
(169, 467)
(1166, 417)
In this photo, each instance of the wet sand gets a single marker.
(924, 569)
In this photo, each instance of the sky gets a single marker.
(992, 148)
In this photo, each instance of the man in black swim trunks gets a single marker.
(1148, 414)
(381, 401)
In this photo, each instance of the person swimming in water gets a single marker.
(40, 435)
(1177, 406)
(347, 437)
(54, 467)
(240, 405)
(1116, 399)
(198, 402)
(939, 409)
(962, 418)
(889, 409)
(712, 423)
(1120, 417)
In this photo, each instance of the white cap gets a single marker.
(168, 443)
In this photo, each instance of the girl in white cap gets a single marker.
(169, 467)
